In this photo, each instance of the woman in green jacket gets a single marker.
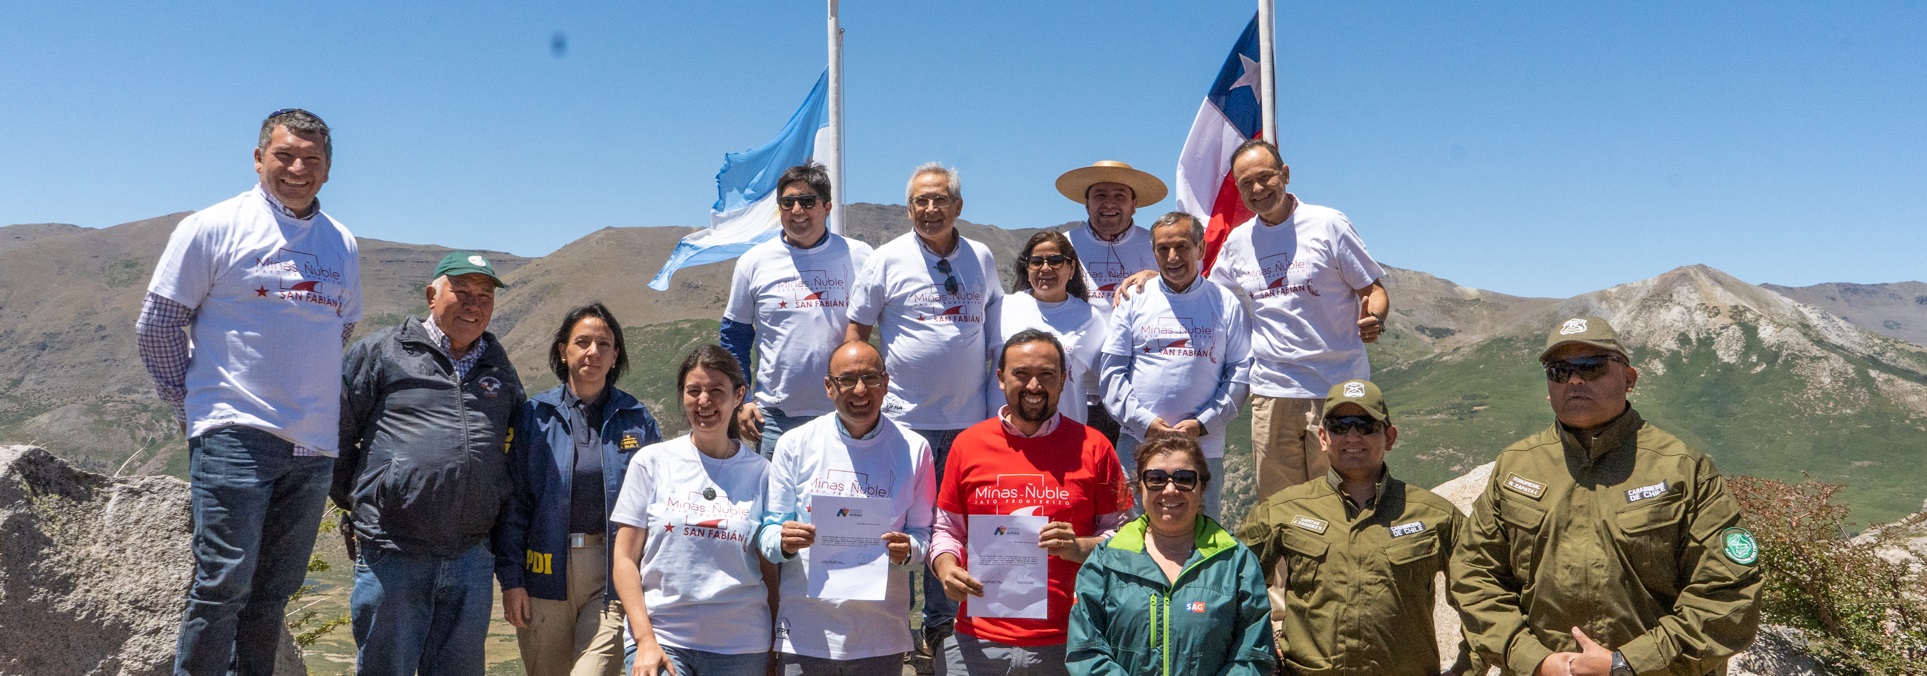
(1171, 592)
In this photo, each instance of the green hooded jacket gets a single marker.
(1129, 620)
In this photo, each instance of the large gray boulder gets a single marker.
(93, 569)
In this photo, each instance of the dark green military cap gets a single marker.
(1360, 392)
(1590, 330)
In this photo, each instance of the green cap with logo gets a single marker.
(1590, 330)
(458, 263)
(1360, 392)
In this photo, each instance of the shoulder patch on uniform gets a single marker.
(1739, 547)
(1526, 487)
(1408, 528)
(1314, 525)
(630, 443)
(1645, 492)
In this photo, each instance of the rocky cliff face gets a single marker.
(93, 569)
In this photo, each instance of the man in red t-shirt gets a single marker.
(1027, 461)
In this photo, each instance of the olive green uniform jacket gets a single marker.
(1130, 620)
(1360, 586)
(1636, 542)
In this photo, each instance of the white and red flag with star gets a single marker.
(1230, 115)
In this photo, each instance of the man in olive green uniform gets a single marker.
(1361, 550)
(1604, 545)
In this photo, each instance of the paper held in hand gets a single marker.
(849, 559)
(1014, 571)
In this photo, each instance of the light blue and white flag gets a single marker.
(745, 211)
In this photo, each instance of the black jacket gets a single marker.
(424, 464)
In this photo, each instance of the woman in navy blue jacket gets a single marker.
(568, 452)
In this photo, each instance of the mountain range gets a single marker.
(1827, 381)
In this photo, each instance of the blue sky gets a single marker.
(1531, 148)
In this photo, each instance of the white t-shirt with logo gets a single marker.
(935, 343)
(270, 295)
(1303, 278)
(1179, 345)
(1108, 263)
(799, 302)
(818, 459)
(1077, 324)
(700, 577)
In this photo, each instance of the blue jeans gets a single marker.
(417, 613)
(256, 509)
(882, 665)
(775, 424)
(938, 610)
(688, 662)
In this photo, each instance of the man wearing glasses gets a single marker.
(856, 457)
(1603, 545)
(935, 295)
(1360, 551)
(1178, 355)
(789, 298)
(270, 289)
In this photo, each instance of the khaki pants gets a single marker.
(580, 636)
(1285, 452)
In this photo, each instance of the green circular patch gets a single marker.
(1738, 545)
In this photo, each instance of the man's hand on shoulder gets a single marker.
(1132, 285)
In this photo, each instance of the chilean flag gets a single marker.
(1229, 116)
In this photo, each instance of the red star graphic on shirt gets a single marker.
(782, 304)
(668, 527)
(262, 292)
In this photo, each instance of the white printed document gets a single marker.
(849, 559)
(1015, 572)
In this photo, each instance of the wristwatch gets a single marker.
(1620, 668)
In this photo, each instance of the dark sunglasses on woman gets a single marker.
(1156, 479)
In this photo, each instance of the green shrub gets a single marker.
(1862, 614)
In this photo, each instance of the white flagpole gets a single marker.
(1268, 82)
(834, 153)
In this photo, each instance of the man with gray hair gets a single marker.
(1178, 357)
(269, 287)
(425, 414)
(935, 294)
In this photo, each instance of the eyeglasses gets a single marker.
(936, 202)
(1588, 368)
(1346, 424)
(848, 382)
(788, 201)
(1052, 261)
(1156, 479)
(950, 284)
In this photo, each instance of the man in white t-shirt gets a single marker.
(1111, 248)
(269, 289)
(790, 299)
(1178, 356)
(1316, 298)
(935, 295)
(855, 460)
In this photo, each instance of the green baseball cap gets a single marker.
(1360, 392)
(1590, 330)
(458, 263)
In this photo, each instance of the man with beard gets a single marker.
(1030, 461)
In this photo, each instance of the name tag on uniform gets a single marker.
(1526, 487)
(1314, 525)
(1645, 492)
(1408, 528)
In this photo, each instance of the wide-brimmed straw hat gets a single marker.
(1076, 182)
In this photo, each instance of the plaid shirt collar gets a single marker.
(314, 209)
(464, 362)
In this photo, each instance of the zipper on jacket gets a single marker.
(1153, 638)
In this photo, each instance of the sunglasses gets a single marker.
(1345, 424)
(950, 284)
(1052, 261)
(1587, 368)
(1156, 479)
(789, 201)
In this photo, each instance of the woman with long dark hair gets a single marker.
(1051, 295)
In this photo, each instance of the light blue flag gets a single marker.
(745, 211)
